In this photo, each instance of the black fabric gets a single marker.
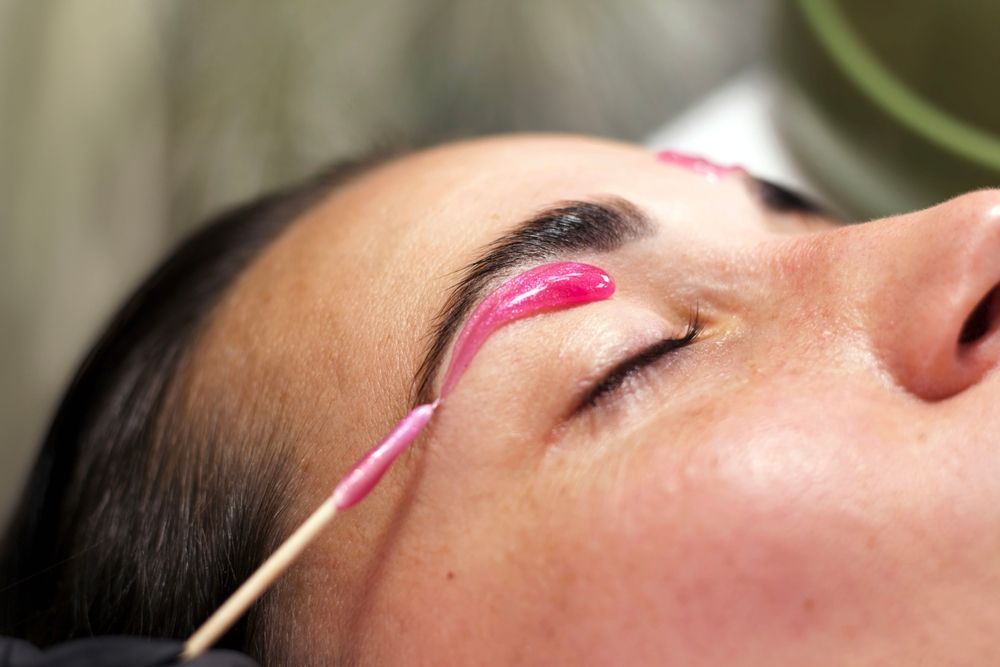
(111, 652)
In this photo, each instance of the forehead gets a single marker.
(445, 204)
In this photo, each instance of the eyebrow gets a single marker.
(603, 225)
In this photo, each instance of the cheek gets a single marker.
(756, 535)
(764, 533)
(751, 534)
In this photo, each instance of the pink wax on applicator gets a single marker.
(545, 288)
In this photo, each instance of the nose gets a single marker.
(925, 290)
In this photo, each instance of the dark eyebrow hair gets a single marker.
(598, 226)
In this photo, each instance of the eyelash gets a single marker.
(613, 382)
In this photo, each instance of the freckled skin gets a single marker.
(815, 481)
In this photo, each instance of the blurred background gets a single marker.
(124, 124)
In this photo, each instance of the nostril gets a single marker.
(982, 318)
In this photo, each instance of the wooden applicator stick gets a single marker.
(259, 581)
(350, 491)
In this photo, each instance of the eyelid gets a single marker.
(782, 199)
(609, 386)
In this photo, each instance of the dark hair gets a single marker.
(140, 517)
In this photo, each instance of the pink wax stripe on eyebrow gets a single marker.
(699, 165)
(545, 288)
(548, 287)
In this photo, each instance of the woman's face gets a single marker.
(814, 479)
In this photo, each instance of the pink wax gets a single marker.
(547, 287)
(699, 165)
(544, 288)
(369, 470)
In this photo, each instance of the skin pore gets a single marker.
(810, 479)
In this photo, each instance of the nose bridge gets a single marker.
(905, 287)
(889, 271)
(819, 279)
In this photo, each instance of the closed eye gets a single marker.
(613, 382)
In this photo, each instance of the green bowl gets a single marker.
(891, 105)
